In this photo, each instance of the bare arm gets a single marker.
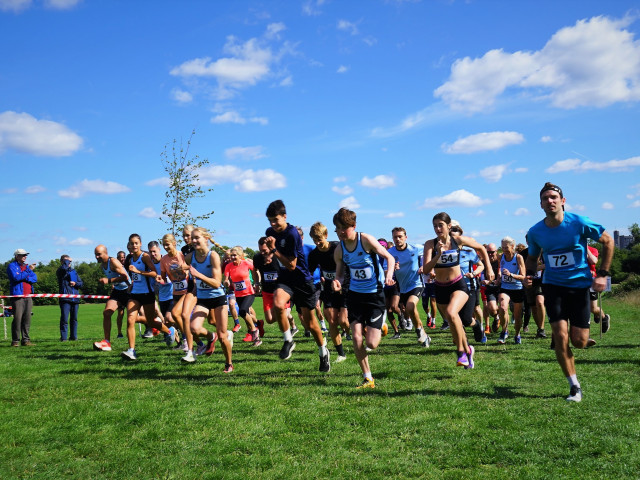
(608, 247)
(337, 256)
(484, 256)
(429, 260)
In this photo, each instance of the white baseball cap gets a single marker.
(20, 251)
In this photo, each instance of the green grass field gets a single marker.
(68, 411)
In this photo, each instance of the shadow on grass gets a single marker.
(499, 393)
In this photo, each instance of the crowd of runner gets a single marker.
(359, 283)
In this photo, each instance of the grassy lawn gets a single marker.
(68, 411)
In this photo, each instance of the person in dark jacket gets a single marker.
(68, 282)
(21, 278)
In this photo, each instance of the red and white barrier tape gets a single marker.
(54, 295)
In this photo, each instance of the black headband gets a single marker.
(551, 187)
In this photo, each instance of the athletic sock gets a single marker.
(287, 336)
(367, 376)
(573, 380)
(340, 350)
(322, 351)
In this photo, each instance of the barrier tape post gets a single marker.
(4, 319)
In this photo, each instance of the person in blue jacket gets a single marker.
(68, 283)
(21, 278)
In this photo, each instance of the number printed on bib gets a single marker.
(180, 285)
(364, 273)
(204, 286)
(449, 257)
(270, 276)
(135, 277)
(239, 286)
(561, 260)
(329, 275)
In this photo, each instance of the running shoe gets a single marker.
(409, 326)
(325, 366)
(228, 368)
(488, 329)
(129, 354)
(367, 383)
(472, 351)
(147, 333)
(422, 336)
(427, 342)
(433, 324)
(287, 348)
(120, 335)
(525, 329)
(154, 331)
(261, 327)
(236, 327)
(477, 331)
(575, 394)
(348, 337)
(340, 359)
(323, 326)
(189, 357)
(506, 334)
(463, 360)
(102, 345)
(503, 336)
(169, 337)
(396, 336)
(385, 329)
(590, 342)
(484, 338)
(211, 346)
(605, 323)
(402, 323)
(429, 322)
(200, 349)
(248, 337)
(294, 331)
(517, 340)
(494, 325)
(307, 333)
(257, 342)
(444, 326)
(540, 333)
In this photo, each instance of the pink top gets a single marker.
(171, 267)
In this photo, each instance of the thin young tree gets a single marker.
(184, 185)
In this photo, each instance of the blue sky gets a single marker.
(397, 109)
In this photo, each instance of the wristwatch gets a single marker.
(273, 250)
(603, 273)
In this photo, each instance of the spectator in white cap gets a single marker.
(21, 278)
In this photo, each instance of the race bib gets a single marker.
(270, 276)
(363, 273)
(204, 286)
(239, 286)
(180, 285)
(508, 279)
(561, 260)
(449, 257)
(135, 277)
(329, 275)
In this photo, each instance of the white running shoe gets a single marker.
(189, 358)
(340, 359)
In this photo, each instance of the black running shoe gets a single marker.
(325, 366)
(575, 395)
(477, 332)
(605, 323)
(287, 348)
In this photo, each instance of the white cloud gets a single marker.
(379, 181)
(311, 7)
(10, 191)
(161, 182)
(574, 208)
(576, 165)
(546, 139)
(81, 242)
(521, 170)
(61, 4)
(339, 179)
(595, 62)
(458, 198)
(482, 142)
(510, 196)
(244, 180)
(234, 117)
(59, 240)
(243, 65)
(26, 134)
(350, 202)
(493, 173)
(432, 115)
(85, 187)
(34, 189)
(245, 153)
(181, 96)
(342, 69)
(521, 212)
(148, 212)
(344, 190)
(347, 26)
(480, 213)
(287, 81)
(261, 180)
(394, 215)
(15, 6)
(635, 204)
(607, 206)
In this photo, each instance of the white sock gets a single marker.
(573, 380)
(287, 335)
(367, 376)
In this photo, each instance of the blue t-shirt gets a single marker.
(468, 258)
(289, 244)
(165, 291)
(316, 273)
(564, 249)
(409, 260)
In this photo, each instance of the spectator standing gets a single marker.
(21, 278)
(68, 283)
